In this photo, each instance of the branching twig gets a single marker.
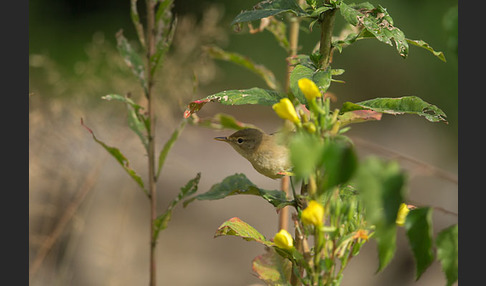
(433, 170)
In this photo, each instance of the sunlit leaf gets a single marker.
(237, 227)
(120, 158)
(447, 252)
(162, 221)
(236, 97)
(357, 116)
(136, 121)
(239, 184)
(266, 74)
(132, 59)
(272, 268)
(418, 225)
(401, 105)
(352, 37)
(124, 99)
(377, 22)
(422, 44)
(269, 8)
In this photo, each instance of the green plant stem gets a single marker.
(327, 26)
(294, 45)
(294, 27)
(150, 35)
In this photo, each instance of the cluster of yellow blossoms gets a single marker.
(286, 110)
(313, 214)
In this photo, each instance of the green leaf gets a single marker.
(306, 152)
(132, 59)
(237, 227)
(378, 23)
(337, 158)
(418, 225)
(165, 25)
(317, 12)
(352, 37)
(380, 185)
(115, 152)
(357, 116)
(228, 121)
(239, 184)
(136, 22)
(236, 97)
(162, 221)
(401, 105)
(340, 162)
(124, 99)
(321, 78)
(386, 243)
(163, 9)
(221, 121)
(272, 268)
(298, 72)
(168, 145)
(349, 14)
(269, 8)
(162, 47)
(422, 44)
(244, 61)
(136, 120)
(447, 252)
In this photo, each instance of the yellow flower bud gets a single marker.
(310, 127)
(313, 214)
(309, 88)
(283, 240)
(402, 214)
(286, 110)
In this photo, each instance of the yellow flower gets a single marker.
(402, 214)
(286, 110)
(283, 239)
(313, 214)
(309, 88)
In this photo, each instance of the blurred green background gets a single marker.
(73, 61)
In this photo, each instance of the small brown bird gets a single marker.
(266, 154)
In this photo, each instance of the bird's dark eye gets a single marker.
(239, 140)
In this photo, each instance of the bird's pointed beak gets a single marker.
(221, 138)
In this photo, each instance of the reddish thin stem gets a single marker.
(150, 5)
